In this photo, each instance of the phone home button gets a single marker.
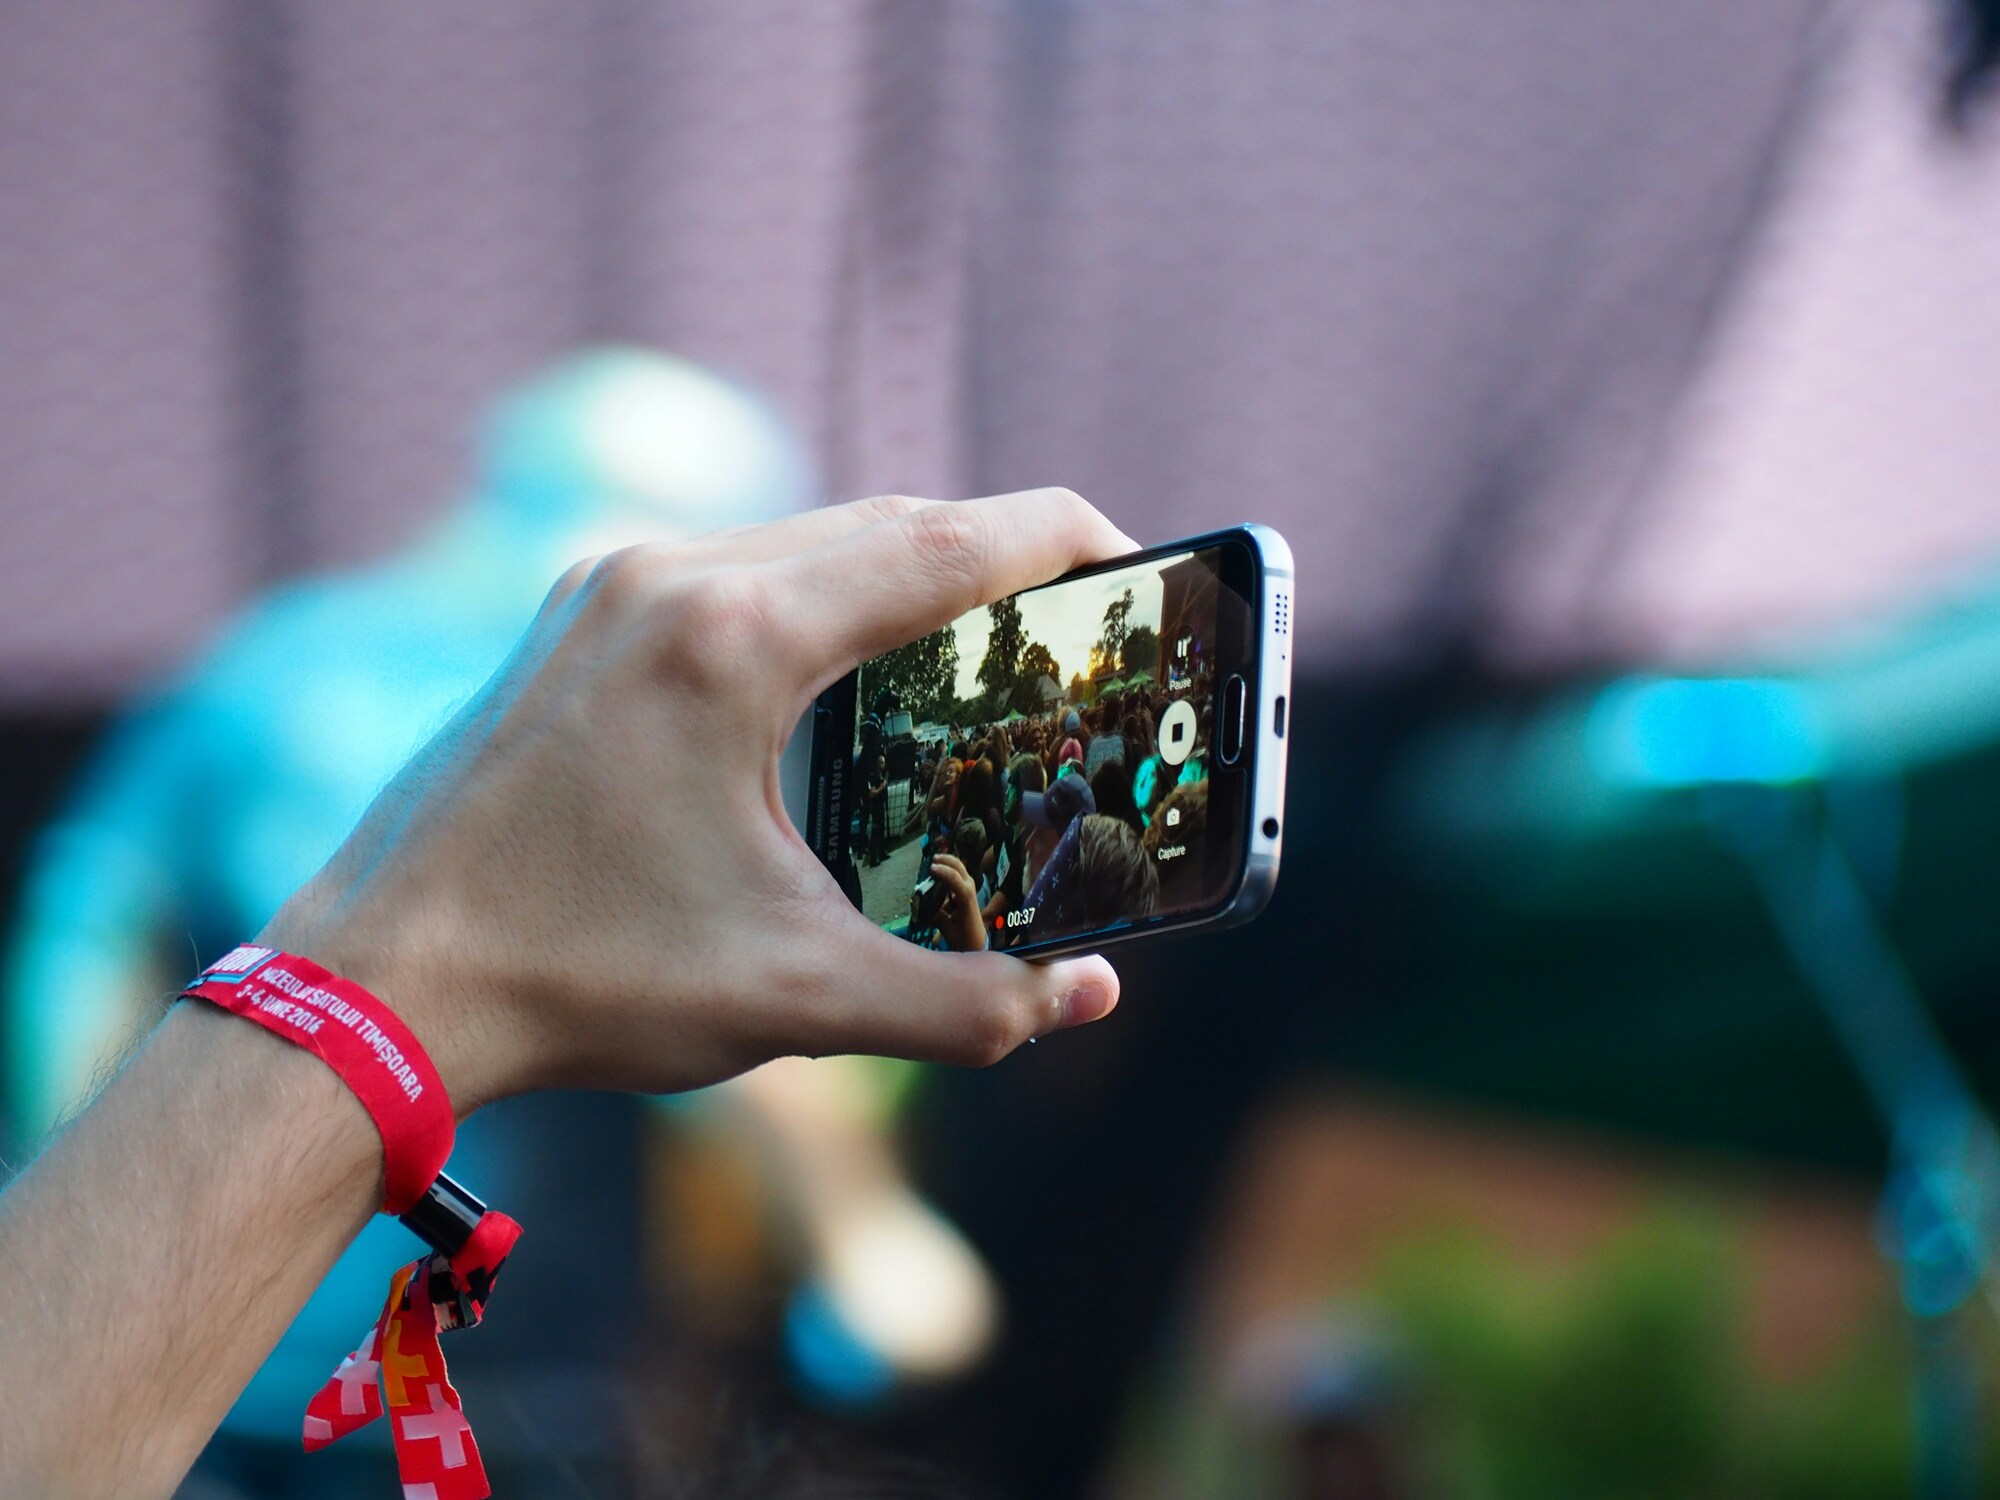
(1229, 734)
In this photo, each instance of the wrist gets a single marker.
(419, 972)
(274, 1090)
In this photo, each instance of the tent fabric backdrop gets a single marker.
(1422, 284)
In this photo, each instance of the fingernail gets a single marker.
(1086, 1003)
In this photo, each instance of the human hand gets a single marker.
(588, 877)
(959, 916)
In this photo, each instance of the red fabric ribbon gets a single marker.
(399, 1368)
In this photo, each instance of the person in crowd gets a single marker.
(980, 798)
(1070, 745)
(1049, 814)
(1106, 743)
(871, 741)
(1099, 873)
(953, 887)
(943, 805)
(501, 898)
(923, 776)
(970, 845)
(871, 736)
(875, 810)
(1111, 788)
(1142, 757)
(960, 928)
(998, 753)
(1010, 875)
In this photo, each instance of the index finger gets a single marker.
(888, 584)
(765, 541)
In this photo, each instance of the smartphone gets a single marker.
(1090, 761)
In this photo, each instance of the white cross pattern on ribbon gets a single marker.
(357, 1375)
(444, 1422)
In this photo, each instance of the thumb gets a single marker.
(967, 1008)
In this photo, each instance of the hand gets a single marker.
(958, 916)
(588, 878)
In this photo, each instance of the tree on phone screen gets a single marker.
(923, 675)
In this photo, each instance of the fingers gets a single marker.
(742, 546)
(714, 592)
(803, 532)
(964, 924)
(950, 869)
(817, 593)
(882, 586)
(966, 1008)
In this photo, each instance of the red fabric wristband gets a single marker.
(399, 1370)
(361, 1039)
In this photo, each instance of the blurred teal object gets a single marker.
(1904, 695)
(1697, 731)
(217, 795)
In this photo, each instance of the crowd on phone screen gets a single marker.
(1037, 826)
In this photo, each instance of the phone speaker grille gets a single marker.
(1282, 611)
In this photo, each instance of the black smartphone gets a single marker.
(1083, 763)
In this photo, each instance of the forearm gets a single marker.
(153, 1255)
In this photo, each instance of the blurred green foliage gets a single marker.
(1624, 1377)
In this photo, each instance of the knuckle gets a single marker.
(1070, 513)
(888, 507)
(951, 540)
(1073, 513)
(632, 578)
(715, 626)
(738, 610)
(993, 1031)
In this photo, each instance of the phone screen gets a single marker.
(1045, 767)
